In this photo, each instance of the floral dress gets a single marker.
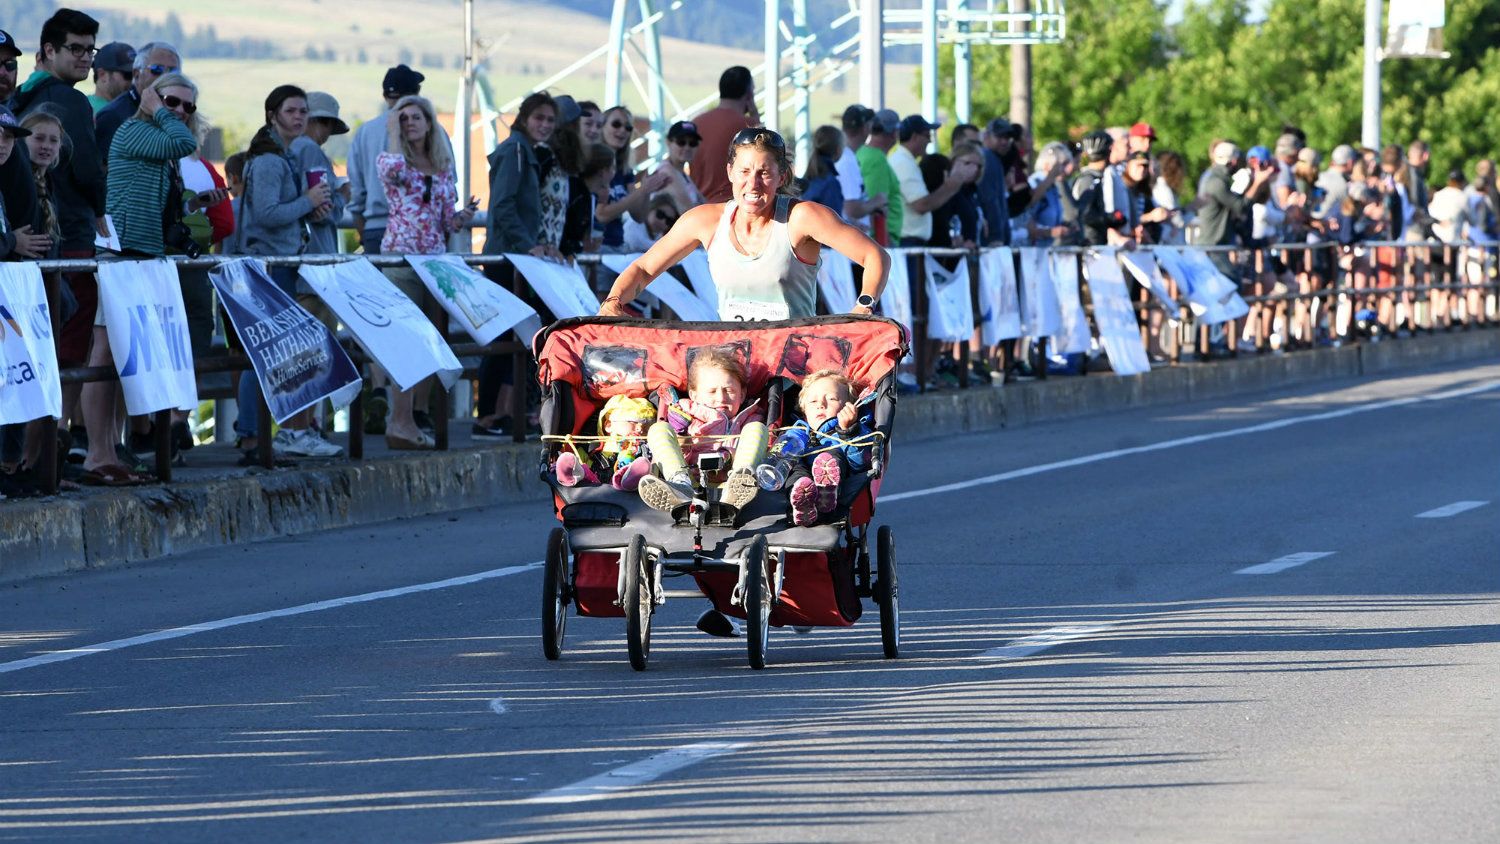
(422, 207)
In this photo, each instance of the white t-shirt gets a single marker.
(1450, 214)
(852, 183)
(914, 223)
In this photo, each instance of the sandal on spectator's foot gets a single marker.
(662, 495)
(826, 476)
(740, 488)
(112, 475)
(804, 511)
(421, 442)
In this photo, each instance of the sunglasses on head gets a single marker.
(755, 135)
(177, 102)
(160, 69)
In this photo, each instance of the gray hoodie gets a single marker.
(274, 206)
(515, 197)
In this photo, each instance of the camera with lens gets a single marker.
(179, 238)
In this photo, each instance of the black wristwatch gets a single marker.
(865, 300)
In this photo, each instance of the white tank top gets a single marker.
(775, 284)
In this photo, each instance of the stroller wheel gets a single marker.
(555, 586)
(886, 592)
(640, 601)
(757, 601)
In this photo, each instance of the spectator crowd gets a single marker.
(566, 182)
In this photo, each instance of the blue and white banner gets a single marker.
(29, 379)
(671, 292)
(148, 335)
(1040, 316)
(561, 287)
(390, 327)
(296, 358)
(999, 299)
(1072, 334)
(1210, 294)
(484, 309)
(1143, 266)
(950, 310)
(836, 281)
(1119, 332)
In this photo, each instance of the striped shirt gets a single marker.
(142, 159)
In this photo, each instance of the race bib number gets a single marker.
(742, 310)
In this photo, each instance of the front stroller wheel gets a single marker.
(555, 594)
(757, 601)
(639, 601)
(886, 592)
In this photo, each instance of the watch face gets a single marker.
(865, 300)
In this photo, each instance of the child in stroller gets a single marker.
(705, 422)
(622, 424)
(840, 437)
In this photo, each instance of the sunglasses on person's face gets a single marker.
(685, 142)
(160, 69)
(620, 124)
(188, 106)
(751, 136)
(10, 65)
(81, 50)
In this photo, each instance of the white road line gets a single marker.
(206, 626)
(1036, 643)
(626, 777)
(1290, 561)
(1451, 509)
(497, 706)
(1182, 441)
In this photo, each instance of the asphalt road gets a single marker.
(1086, 657)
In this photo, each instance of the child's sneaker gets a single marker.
(665, 495)
(804, 511)
(571, 471)
(628, 477)
(739, 488)
(825, 476)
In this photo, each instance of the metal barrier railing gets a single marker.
(1323, 285)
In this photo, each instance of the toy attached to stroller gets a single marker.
(612, 553)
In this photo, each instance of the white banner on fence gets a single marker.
(390, 327)
(148, 335)
(672, 293)
(1143, 266)
(1072, 334)
(1212, 296)
(29, 378)
(999, 301)
(950, 310)
(1119, 332)
(1040, 316)
(895, 301)
(702, 279)
(561, 287)
(836, 280)
(483, 308)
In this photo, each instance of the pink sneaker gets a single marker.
(825, 477)
(569, 471)
(628, 477)
(804, 512)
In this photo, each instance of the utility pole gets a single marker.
(1370, 128)
(1020, 72)
(871, 55)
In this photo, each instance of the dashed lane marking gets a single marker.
(635, 774)
(1045, 640)
(1451, 509)
(1283, 563)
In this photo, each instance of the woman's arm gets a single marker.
(170, 141)
(811, 221)
(693, 229)
(505, 224)
(268, 175)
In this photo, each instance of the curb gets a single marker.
(61, 535)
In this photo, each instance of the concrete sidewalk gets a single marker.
(213, 502)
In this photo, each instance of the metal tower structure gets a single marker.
(798, 61)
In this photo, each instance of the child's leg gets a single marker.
(801, 495)
(749, 451)
(666, 450)
(827, 472)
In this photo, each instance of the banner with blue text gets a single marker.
(148, 335)
(29, 384)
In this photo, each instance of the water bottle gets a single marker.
(955, 230)
(791, 445)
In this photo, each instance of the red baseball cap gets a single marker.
(1143, 130)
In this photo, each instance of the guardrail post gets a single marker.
(440, 413)
(161, 433)
(1087, 306)
(263, 451)
(357, 426)
(916, 271)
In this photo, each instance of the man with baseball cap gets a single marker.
(879, 179)
(998, 138)
(1140, 139)
(857, 202)
(114, 66)
(154, 59)
(914, 136)
(366, 196)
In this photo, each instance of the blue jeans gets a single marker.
(369, 240)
